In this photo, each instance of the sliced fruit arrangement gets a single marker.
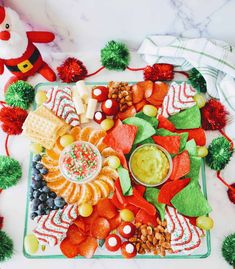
(91, 192)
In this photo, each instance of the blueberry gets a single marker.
(45, 189)
(43, 183)
(38, 177)
(36, 184)
(36, 201)
(36, 193)
(31, 190)
(41, 206)
(52, 194)
(31, 197)
(59, 202)
(35, 171)
(33, 215)
(44, 171)
(55, 207)
(34, 207)
(50, 202)
(41, 212)
(43, 197)
(37, 158)
(39, 166)
(34, 164)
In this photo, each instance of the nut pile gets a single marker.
(121, 92)
(149, 239)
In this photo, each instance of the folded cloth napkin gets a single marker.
(214, 59)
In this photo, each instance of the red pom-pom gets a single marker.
(71, 70)
(159, 72)
(1, 222)
(231, 193)
(214, 115)
(12, 119)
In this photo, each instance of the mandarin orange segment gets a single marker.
(72, 194)
(105, 162)
(108, 152)
(48, 163)
(104, 188)
(110, 172)
(85, 133)
(59, 147)
(75, 132)
(52, 154)
(101, 145)
(85, 194)
(52, 175)
(96, 136)
(107, 180)
(56, 184)
(96, 193)
(74, 197)
(65, 189)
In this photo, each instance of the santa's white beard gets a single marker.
(18, 42)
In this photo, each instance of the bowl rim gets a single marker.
(168, 157)
(89, 178)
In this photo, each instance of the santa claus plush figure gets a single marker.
(17, 51)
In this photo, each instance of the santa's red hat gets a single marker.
(2, 14)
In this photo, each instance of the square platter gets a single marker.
(101, 253)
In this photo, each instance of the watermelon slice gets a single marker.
(165, 123)
(170, 189)
(115, 137)
(181, 165)
(170, 143)
(187, 119)
(145, 129)
(197, 134)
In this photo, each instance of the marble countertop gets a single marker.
(82, 28)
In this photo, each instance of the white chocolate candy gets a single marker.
(79, 106)
(82, 89)
(91, 108)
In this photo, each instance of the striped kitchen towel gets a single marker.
(214, 59)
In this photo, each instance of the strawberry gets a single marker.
(100, 93)
(110, 107)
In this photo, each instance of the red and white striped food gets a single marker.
(51, 229)
(185, 237)
(61, 103)
(179, 97)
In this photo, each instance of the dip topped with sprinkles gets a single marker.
(80, 162)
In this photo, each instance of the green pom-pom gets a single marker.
(219, 153)
(115, 56)
(6, 247)
(197, 80)
(228, 249)
(10, 172)
(20, 94)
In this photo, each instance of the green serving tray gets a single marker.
(54, 252)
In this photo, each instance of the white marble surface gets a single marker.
(82, 28)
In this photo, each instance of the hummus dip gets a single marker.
(149, 164)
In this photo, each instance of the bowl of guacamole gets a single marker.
(150, 165)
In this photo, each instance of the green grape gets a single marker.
(107, 124)
(150, 110)
(205, 223)
(31, 243)
(40, 98)
(36, 148)
(200, 100)
(202, 151)
(127, 215)
(114, 162)
(66, 140)
(85, 210)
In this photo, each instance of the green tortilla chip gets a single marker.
(183, 136)
(195, 166)
(147, 141)
(152, 120)
(191, 202)
(151, 195)
(145, 129)
(125, 181)
(187, 119)
(191, 147)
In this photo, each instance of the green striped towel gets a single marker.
(214, 59)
